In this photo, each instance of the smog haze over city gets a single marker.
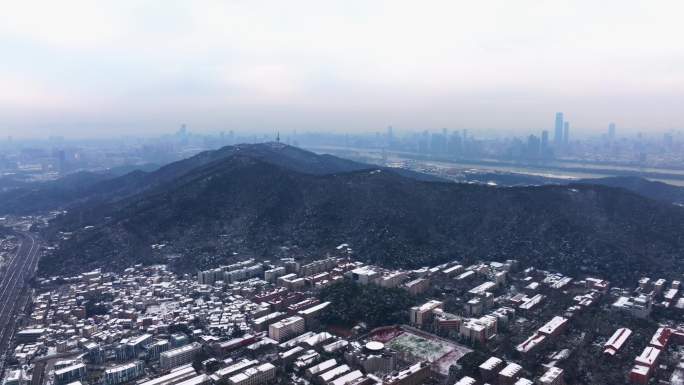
(341, 192)
(104, 69)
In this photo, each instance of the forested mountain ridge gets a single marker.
(249, 204)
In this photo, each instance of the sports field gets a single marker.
(420, 346)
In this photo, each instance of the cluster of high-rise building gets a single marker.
(542, 147)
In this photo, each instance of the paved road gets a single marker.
(20, 269)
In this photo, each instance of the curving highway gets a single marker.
(13, 285)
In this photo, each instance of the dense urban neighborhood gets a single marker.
(341, 192)
(338, 321)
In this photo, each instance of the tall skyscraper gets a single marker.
(611, 131)
(566, 133)
(533, 147)
(558, 132)
(424, 143)
(454, 144)
(182, 134)
(545, 150)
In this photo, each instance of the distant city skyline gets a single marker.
(609, 131)
(83, 69)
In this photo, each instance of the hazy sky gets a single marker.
(86, 68)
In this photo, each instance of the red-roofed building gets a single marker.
(640, 374)
(616, 341)
(661, 338)
(649, 357)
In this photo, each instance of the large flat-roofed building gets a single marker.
(306, 359)
(295, 341)
(124, 373)
(347, 378)
(311, 314)
(29, 335)
(177, 375)
(670, 295)
(453, 270)
(324, 377)
(261, 323)
(532, 303)
(413, 375)
(466, 381)
(225, 347)
(393, 279)
(466, 276)
(70, 373)
(290, 355)
(208, 277)
(201, 379)
(137, 345)
(178, 339)
(318, 266)
(639, 306)
(554, 327)
(553, 376)
(335, 346)
(322, 367)
(272, 274)
(510, 374)
(363, 275)
(254, 376)
(317, 339)
(490, 368)
(421, 315)
(482, 289)
(156, 348)
(286, 328)
(478, 329)
(179, 356)
(417, 286)
(233, 369)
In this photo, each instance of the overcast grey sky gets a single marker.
(90, 68)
